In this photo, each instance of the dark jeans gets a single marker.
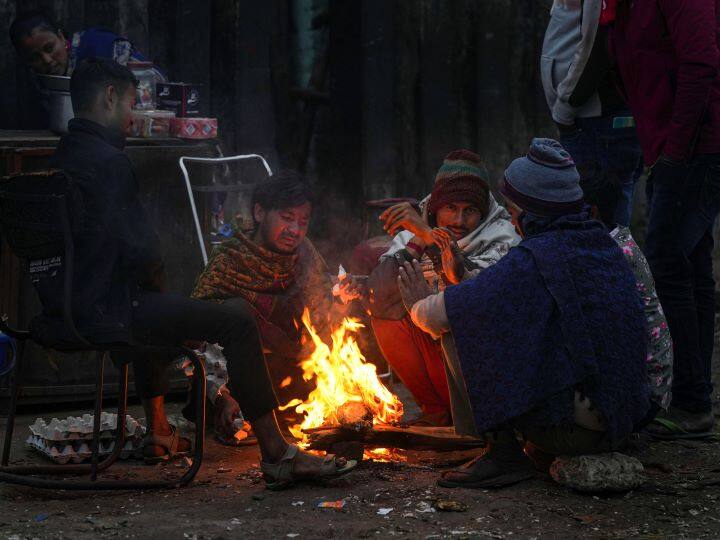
(170, 319)
(612, 149)
(679, 246)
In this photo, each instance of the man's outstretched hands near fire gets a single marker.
(350, 288)
(450, 255)
(412, 284)
(404, 216)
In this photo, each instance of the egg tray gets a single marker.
(75, 428)
(81, 450)
(63, 441)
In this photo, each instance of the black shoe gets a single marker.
(502, 464)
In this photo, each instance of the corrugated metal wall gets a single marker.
(408, 81)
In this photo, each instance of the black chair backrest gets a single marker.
(38, 213)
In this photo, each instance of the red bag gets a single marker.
(609, 10)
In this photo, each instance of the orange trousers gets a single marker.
(417, 360)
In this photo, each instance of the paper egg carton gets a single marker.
(216, 375)
(63, 441)
(74, 428)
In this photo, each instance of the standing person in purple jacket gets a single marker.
(668, 57)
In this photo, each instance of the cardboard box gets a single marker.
(181, 98)
(194, 128)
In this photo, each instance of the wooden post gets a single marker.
(378, 133)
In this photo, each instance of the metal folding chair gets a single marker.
(215, 188)
(38, 213)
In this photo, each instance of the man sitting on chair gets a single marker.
(119, 282)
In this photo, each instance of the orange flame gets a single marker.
(341, 375)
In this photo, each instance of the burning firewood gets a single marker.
(355, 416)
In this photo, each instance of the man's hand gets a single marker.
(412, 284)
(351, 289)
(226, 411)
(450, 255)
(404, 216)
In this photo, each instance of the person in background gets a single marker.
(581, 90)
(276, 271)
(550, 342)
(668, 57)
(603, 192)
(119, 296)
(45, 49)
(460, 232)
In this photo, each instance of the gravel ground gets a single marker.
(679, 500)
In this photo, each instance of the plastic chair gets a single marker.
(38, 213)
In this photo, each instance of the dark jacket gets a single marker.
(667, 54)
(116, 248)
(575, 69)
(558, 314)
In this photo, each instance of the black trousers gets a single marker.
(679, 247)
(170, 319)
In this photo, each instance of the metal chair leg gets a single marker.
(12, 407)
(19, 475)
(98, 413)
(199, 388)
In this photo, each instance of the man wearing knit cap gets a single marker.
(460, 231)
(550, 342)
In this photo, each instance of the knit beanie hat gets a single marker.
(545, 182)
(462, 177)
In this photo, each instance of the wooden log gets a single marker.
(384, 436)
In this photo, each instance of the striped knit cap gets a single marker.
(461, 178)
(545, 182)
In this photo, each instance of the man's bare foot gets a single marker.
(297, 466)
(154, 452)
(308, 465)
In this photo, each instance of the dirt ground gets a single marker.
(681, 499)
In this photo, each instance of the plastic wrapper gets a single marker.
(194, 128)
(150, 124)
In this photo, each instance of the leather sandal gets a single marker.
(280, 475)
(168, 442)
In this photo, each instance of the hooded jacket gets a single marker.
(575, 67)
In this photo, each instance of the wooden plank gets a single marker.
(379, 157)
(103, 13)
(385, 436)
(9, 95)
(133, 23)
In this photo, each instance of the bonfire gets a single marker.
(348, 391)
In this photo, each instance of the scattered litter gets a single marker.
(41, 517)
(448, 505)
(298, 503)
(258, 496)
(342, 274)
(292, 535)
(224, 470)
(384, 511)
(332, 504)
(235, 521)
(692, 512)
(424, 507)
(186, 462)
